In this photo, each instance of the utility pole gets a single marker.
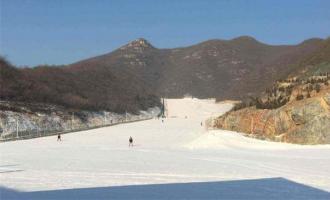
(37, 129)
(163, 111)
(163, 108)
(39, 126)
(17, 127)
(72, 120)
(252, 125)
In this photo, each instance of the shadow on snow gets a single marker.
(269, 188)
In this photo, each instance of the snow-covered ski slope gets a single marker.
(178, 155)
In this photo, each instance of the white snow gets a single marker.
(179, 150)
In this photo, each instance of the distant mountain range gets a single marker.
(225, 69)
(134, 76)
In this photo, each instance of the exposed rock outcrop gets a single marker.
(304, 122)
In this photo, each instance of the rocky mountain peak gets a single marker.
(138, 44)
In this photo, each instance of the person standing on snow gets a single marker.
(130, 140)
(59, 137)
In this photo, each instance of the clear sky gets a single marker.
(64, 31)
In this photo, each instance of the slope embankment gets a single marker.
(304, 122)
(23, 123)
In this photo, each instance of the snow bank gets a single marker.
(223, 139)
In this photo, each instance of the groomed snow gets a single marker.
(178, 150)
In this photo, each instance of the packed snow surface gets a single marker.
(177, 150)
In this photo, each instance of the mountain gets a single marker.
(317, 62)
(93, 89)
(131, 77)
(295, 109)
(225, 69)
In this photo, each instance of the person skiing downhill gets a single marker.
(130, 140)
(59, 137)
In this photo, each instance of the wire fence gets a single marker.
(43, 131)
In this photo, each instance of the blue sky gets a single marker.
(64, 31)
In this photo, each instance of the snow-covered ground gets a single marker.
(178, 150)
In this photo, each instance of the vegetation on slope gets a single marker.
(222, 69)
(89, 90)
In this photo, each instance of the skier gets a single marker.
(130, 140)
(59, 137)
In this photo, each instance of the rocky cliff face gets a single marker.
(303, 122)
